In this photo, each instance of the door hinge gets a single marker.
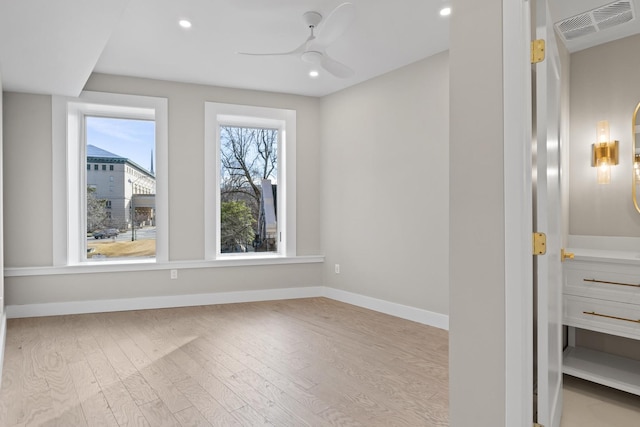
(539, 243)
(537, 425)
(537, 51)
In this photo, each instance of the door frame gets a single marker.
(518, 212)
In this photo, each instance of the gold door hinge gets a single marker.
(537, 51)
(539, 243)
(537, 425)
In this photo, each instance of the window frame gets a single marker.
(219, 114)
(69, 181)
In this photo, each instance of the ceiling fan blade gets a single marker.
(300, 49)
(336, 68)
(336, 23)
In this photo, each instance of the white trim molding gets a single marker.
(165, 301)
(425, 317)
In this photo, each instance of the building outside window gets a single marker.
(119, 199)
(120, 205)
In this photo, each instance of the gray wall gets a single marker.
(477, 223)
(604, 85)
(28, 198)
(372, 194)
(27, 176)
(385, 167)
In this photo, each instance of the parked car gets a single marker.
(108, 232)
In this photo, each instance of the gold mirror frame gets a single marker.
(635, 170)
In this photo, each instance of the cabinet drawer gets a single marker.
(609, 317)
(602, 285)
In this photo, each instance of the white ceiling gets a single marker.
(52, 47)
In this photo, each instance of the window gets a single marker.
(110, 129)
(125, 141)
(250, 181)
(88, 167)
(248, 188)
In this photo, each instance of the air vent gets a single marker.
(607, 16)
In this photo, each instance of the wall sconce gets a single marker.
(604, 153)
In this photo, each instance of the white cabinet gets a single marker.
(601, 292)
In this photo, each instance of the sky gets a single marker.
(133, 139)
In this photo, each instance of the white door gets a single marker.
(547, 219)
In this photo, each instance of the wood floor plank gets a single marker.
(308, 400)
(308, 362)
(207, 405)
(141, 392)
(158, 415)
(94, 404)
(219, 391)
(249, 417)
(66, 403)
(124, 409)
(281, 399)
(191, 417)
(165, 389)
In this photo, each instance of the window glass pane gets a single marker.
(248, 189)
(120, 206)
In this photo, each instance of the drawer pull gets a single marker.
(611, 283)
(593, 313)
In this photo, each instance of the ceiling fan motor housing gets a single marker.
(312, 18)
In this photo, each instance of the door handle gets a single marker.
(566, 255)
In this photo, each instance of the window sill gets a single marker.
(119, 266)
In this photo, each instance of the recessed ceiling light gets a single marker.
(445, 11)
(184, 23)
(313, 73)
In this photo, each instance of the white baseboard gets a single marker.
(425, 317)
(430, 318)
(168, 301)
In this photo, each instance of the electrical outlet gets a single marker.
(174, 274)
(337, 268)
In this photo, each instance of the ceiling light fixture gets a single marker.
(184, 23)
(445, 11)
(314, 73)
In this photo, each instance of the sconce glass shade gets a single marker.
(604, 153)
(603, 131)
(604, 173)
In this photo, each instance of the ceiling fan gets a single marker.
(313, 49)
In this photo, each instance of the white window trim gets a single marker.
(217, 114)
(68, 155)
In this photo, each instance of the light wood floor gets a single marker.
(586, 404)
(312, 362)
